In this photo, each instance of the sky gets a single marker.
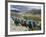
(22, 8)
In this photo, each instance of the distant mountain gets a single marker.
(34, 11)
(15, 11)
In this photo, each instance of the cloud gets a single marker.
(24, 8)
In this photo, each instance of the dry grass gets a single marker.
(33, 17)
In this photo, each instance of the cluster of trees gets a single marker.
(27, 23)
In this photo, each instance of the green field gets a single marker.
(28, 16)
